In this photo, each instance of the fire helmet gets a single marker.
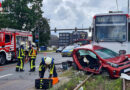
(22, 43)
(48, 60)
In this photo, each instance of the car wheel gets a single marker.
(75, 66)
(2, 59)
(105, 72)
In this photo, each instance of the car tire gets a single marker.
(106, 73)
(75, 66)
(63, 56)
(2, 59)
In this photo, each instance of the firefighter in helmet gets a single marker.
(32, 57)
(47, 63)
(21, 55)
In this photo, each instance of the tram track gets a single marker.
(83, 82)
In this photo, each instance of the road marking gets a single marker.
(6, 75)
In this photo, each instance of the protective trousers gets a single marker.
(32, 64)
(20, 64)
(44, 69)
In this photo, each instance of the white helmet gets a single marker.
(22, 43)
(33, 44)
(48, 60)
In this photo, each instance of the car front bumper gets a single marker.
(116, 72)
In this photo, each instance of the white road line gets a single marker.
(6, 75)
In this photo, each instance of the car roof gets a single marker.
(90, 46)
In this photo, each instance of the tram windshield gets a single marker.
(111, 28)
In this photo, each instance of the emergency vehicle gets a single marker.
(10, 40)
(112, 30)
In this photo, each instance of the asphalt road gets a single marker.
(11, 80)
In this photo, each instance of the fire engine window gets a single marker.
(7, 38)
(11, 37)
(1, 37)
(129, 32)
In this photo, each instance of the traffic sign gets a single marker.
(36, 40)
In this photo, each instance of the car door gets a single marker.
(93, 63)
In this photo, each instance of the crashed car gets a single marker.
(82, 42)
(96, 59)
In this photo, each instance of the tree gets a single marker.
(42, 27)
(25, 15)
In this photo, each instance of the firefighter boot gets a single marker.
(21, 70)
(17, 69)
(33, 69)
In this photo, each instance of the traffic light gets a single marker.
(75, 29)
(90, 29)
(36, 37)
(55, 30)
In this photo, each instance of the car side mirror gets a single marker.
(122, 52)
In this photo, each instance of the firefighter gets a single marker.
(32, 57)
(47, 63)
(20, 58)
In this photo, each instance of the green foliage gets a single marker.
(99, 82)
(25, 15)
(43, 28)
(96, 82)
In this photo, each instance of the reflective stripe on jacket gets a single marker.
(21, 53)
(32, 53)
(43, 65)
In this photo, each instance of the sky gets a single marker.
(78, 13)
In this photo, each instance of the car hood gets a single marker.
(70, 50)
(118, 59)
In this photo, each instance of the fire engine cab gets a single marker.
(10, 40)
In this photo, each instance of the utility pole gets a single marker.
(128, 6)
(38, 38)
(117, 5)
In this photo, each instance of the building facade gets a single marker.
(68, 38)
(64, 39)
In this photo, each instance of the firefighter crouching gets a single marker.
(47, 63)
(32, 57)
(21, 55)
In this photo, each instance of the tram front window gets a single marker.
(111, 28)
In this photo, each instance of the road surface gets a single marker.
(11, 80)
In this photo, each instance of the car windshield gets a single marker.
(69, 47)
(106, 53)
(83, 42)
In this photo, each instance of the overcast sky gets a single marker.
(78, 13)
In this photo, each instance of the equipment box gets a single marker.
(43, 83)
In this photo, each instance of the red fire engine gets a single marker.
(10, 40)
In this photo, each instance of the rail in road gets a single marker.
(82, 83)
